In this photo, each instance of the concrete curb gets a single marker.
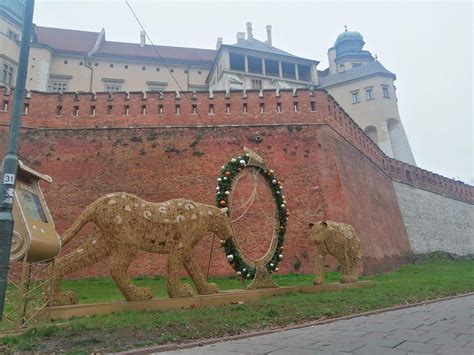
(172, 347)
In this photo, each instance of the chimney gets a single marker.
(249, 31)
(142, 39)
(219, 43)
(269, 35)
(240, 37)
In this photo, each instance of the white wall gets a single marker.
(435, 222)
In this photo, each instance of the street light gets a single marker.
(10, 163)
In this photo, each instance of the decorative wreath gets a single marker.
(226, 180)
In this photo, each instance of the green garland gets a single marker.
(224, 187)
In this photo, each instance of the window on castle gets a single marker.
(355, 97)
(279, 107)
(341, 68)
(7, 74)
(110, 88)
(304, 72)
(272, 67)
(12, 35)
(254, 65)
(385, 92)
(156, 88)
(59, 86)
(256, 84)
(237, 62)
(369, 93)
(288, 70)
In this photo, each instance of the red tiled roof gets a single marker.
(83, 41)
(66, 40)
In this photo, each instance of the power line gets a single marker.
(181, 91)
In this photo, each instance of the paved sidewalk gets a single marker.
(444, 327)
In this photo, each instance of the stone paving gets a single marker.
(444, 327)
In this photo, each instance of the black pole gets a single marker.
(10, 163)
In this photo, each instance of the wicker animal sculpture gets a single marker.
(125, 224)
(341, 241)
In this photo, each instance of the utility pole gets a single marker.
(10, 163)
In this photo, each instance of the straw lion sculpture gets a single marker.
(125, 224)
(341, 241)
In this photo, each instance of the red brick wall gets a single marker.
(104, 111)
(313, 162)
(329, 168)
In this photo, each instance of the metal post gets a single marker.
(10, 163)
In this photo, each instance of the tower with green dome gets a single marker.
(366, 90)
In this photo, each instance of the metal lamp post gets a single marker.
(10, 163)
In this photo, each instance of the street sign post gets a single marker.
(10, 163)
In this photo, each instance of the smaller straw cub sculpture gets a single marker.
(341, 241)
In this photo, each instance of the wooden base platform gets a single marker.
(224, 297)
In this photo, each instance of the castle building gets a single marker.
(11, 20)
(366, 90)
(64, 60)
(93, 122)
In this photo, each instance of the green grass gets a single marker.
(94, 290)
(412, 283)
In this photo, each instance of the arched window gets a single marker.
(342, 68)
(371, 131)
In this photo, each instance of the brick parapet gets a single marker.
(427, 180)
(268, 107)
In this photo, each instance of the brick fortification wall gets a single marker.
(155, 146)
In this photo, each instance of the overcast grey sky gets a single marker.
(428, 45)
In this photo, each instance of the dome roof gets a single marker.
(348, 35)
(349, 43)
